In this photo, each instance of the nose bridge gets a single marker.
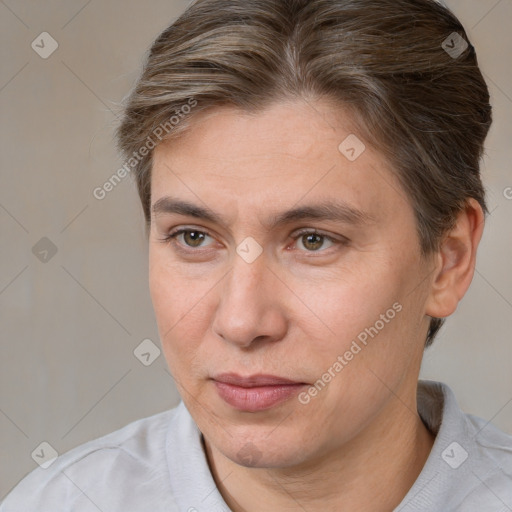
(245, 287)
(247, 309)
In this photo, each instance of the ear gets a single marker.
(456, 260)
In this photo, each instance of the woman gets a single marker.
(309, 174)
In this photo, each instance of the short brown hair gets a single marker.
(426, 109)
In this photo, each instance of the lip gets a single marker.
(256, 392)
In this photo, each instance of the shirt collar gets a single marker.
(192, 483)
(456, 466)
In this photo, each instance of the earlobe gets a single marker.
(456, 261)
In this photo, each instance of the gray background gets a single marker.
(69, 325)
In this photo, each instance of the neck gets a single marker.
(379, 466)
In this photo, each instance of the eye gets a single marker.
(189, 238)
(313, 241)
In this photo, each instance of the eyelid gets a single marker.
(336, 240)
(307, 231)
(180, 230)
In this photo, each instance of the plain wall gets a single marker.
(69, 325)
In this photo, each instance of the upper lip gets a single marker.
(253, 380)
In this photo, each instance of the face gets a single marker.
(286, 279)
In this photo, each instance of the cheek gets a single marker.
(370, 341)
(181, 310)
(369, 320)
(346, 303)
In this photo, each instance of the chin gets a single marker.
(263, 451)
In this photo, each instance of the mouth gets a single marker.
(256, 392)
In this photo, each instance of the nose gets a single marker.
(250, 309)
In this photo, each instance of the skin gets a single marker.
(299, 305)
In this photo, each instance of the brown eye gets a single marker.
(189, 238)
(312, 242)
(193, 238)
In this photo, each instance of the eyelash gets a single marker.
(171, 237)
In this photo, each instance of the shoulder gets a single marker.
(492, 450)
(480, 465)
(84, 478)
(470, 466)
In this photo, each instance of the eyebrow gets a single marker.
(325, 210)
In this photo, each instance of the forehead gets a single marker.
(289, 154)
(294, 129)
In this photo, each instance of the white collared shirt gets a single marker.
(157, 464)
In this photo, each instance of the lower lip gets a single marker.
(256, 399)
